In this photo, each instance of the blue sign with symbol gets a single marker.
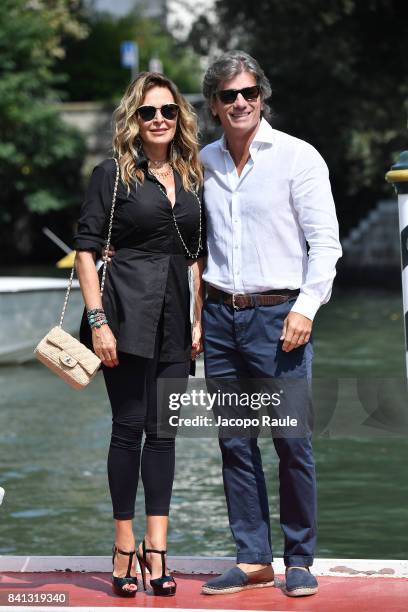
(129, 53)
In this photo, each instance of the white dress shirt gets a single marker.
(259, 223)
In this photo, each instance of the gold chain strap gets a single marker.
(191, 255)
(105, 259)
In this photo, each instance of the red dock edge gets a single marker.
(345, 585)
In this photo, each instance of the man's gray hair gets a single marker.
(229, 65)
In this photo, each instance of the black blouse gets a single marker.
(148, 276)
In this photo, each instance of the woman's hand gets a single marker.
(104, 344)
(197, 340)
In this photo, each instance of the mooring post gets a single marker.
(398, 176)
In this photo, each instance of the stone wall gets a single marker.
(375, 241)
(93, 119)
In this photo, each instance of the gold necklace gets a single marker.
(161, 175)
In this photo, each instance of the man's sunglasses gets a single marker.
(168, 111)
(228, 96)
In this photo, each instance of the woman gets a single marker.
(141, 327)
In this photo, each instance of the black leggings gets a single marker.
(132, 390)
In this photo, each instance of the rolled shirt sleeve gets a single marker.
(92, 229)
(313, 201)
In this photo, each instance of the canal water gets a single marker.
(54, 440)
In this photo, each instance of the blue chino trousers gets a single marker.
(246, 344)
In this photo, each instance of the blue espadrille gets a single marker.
(234, 580)
(300, 582)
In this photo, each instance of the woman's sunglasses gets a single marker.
(228, 96)
(168, 111)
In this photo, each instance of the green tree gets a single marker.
(40, 156)
(338, 71)
(94, 68)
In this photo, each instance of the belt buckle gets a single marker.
(235, 307)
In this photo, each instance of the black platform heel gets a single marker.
(156, 583)
(117, 582)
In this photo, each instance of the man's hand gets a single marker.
(104, 344)
(107, 255)
(296, 331)
(197, 340)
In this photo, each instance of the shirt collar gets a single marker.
(264, 134)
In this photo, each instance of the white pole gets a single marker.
(64, 247)
(2, 492)
(398, 176)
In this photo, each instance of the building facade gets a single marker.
(151, 8)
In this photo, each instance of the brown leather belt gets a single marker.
(240, 301)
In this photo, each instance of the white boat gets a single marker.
(29, 307)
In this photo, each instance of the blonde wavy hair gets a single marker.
(126, 140)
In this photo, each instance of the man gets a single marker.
(268, 199)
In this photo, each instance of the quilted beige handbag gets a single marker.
(62, 353)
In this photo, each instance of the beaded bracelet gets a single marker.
(98, 324)
(94, 311)
(96, 317)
